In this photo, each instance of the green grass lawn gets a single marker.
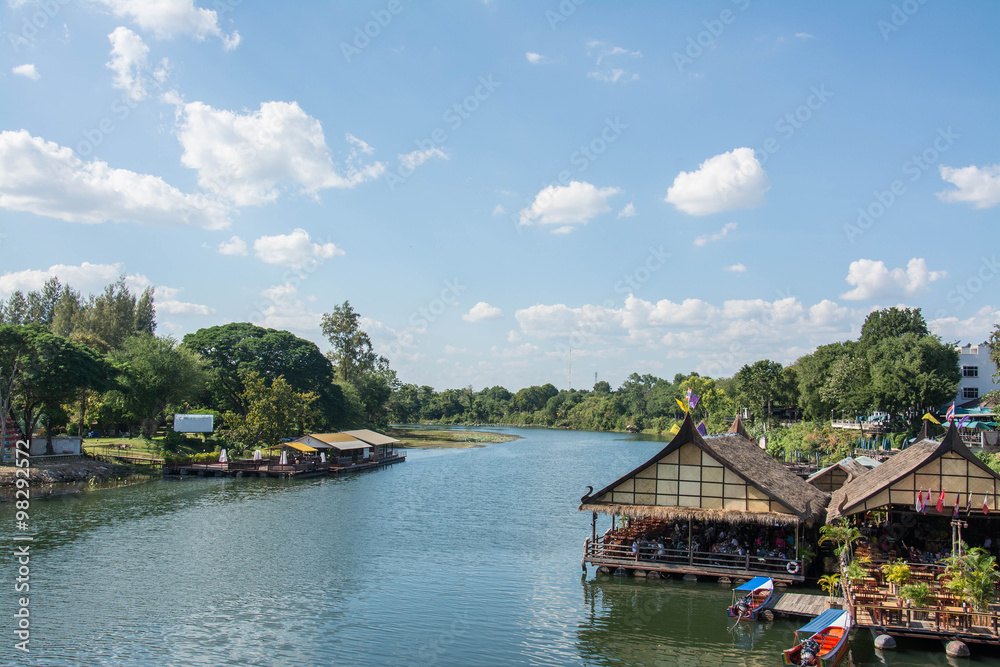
(430, 438)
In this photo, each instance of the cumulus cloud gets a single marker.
(43, 178)
(481, 312)
(294, 250)
(536, 58)
(725, 182)
(167, 302)
(567, 205)
(27, 70)
(628, 211)
(250, 158)
(717, 236)
(970, 330)
(979, 186)
(805, 35)
(234, 246)
(168, 18)
(129, 62)
(873, 280)
(416, 158)
(283, 309)
(735, 268)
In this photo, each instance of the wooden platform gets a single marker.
(799, 604)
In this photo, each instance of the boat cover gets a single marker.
(823, 621)
(753, 584)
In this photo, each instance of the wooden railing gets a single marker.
(652, 554)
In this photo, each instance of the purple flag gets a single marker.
(964, 420)
(702, 428)
(693, 400)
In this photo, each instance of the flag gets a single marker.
(958, 504)
(951, 413)
(986, 505)
(964, 420)
(918, 506)
(693, 400)
(940, 503)
(926, 502)
(702, 428)
(688, 395)
(675, 429)
(682, 404)
(968, 505)
(930, 417)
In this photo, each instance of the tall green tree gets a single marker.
(274, 411)
(759, 385)
(155, 372)
(892, 323)
(911, 374)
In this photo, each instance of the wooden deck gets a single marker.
(272, 468)
(799, 604)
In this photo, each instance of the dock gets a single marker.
(273, 468)
(803, 605)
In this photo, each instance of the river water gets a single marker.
(455, 557)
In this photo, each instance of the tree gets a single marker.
(49, 370)
(231, 351)
(274, 411)
(352, 353)
(912, 373)
(113, 316)
(602, 387)
(15, 311)
(153, 373)
(892, 323)
(813, 373)
(759, 385)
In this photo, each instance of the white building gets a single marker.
(977, 373)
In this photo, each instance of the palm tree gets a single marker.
(973, 577)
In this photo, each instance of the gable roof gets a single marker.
(743, 461)
(371, 437)
(738, 429)
(852, 497)
(340, 441)
(853, 469)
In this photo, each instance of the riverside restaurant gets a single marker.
(715, 506)
(927, 522)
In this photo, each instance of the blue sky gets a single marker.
(662, 187)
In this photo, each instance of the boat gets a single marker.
(827, 642)
(751, 598)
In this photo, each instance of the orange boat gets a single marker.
(827, 643)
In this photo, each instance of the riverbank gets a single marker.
(81, 470)
(421, 438)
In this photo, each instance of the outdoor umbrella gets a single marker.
(284, 458)
(222, 456)
(322, 457)
(256, 455)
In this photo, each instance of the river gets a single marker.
(455, 557)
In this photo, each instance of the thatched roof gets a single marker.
(916, 462)
(769, 484)
(738, 429)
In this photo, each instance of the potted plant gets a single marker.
(918, 595)
(830, 583)
(897, 573)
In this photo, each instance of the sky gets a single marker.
(507, 192)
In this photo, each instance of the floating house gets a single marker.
(921, 506)
(385, 445)
(706, 505)
(341, 447)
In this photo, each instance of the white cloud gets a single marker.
(499, 209)
(732, 180)
(717, 236)
(249, 158)
(974, 329)
(46, 179)
(451, 349)
(416, 158)
(167, 18)
(129, 63)
(27, 70)
(481, 312)
(609, 73)
(576, 203)
(873, 280)
(513, 336)
(535, 58)
(735, 268)
(628, 211)
(234, 246)
(283, 309)
(979, 186)
(295, 250)
(805, 35)
(87, 278)
(166, 301)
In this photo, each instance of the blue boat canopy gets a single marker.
(823, 621)
(753, 584)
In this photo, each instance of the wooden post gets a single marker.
(593, 528)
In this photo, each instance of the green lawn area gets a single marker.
(141, 446)
(419, 437)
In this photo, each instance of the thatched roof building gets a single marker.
(925, 466)
(832, 477)
(720, 478)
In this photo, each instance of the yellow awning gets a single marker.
(296, 445)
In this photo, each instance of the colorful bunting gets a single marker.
(940, 503)
(702, 428)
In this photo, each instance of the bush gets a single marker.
(73, 430)
(172, 441)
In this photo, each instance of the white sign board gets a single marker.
(194, 423)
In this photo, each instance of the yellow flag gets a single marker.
(681, 403)
(931, 417)
(675, 429)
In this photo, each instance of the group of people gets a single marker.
(924, 541)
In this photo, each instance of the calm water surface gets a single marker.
(456, 557)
